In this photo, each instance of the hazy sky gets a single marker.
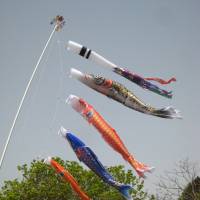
(152, 38)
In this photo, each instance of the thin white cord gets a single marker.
(60, 87)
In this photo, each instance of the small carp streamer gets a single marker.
(88, 157)
(101, 61)
(107, 132)
(118, 92)
(144, 83)
(68, 177)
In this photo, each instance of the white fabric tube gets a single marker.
(48, 160)
(74, 47)
(62, 131)
(74, 73)
(89, 54)
(74, 102)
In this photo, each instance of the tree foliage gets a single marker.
(181, 183)
(40, 182)
(192, 190)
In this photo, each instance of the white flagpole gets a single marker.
(22, 100)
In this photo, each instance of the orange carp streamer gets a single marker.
(68, 177)
(107, 132)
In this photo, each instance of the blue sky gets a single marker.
(152, 38)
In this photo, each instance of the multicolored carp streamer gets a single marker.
(68, 177)
(144, 83)
(107, 132)
(88, 157)
(100, 60)
(118, 92)
(59, 21)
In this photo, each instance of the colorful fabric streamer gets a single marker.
(107, 132)
(140, 81)
(161, 81)
(68, 177)
(88, 157)
(143, 82)
(118, 92)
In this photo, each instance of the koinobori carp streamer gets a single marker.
(89, 158)
(118, 92)
(139, 80)
(68, 177)
(107, 132)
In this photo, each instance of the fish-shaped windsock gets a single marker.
(101, 61)
(120, 93)
(107, 132)
(88, 157)
(68, 177)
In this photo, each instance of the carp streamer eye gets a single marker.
(99, 80)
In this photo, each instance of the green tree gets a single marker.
(181, 183)
(40, 182)
(192, 190)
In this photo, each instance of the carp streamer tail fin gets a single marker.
(154, 88)
(168, 112)
(139, 167)
(142, 170)
(124, 190)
